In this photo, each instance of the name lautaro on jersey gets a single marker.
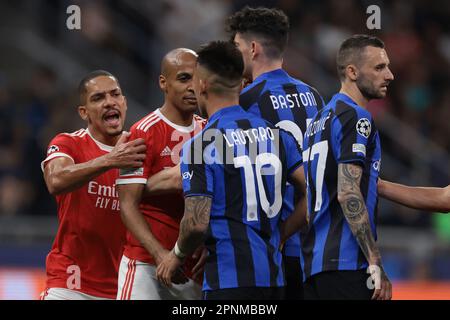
(238, 142)
(238, 137)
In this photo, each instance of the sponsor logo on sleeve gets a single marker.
(363, 127)
(52, 149)
(377, 165)
(131, 172)
(359, 147)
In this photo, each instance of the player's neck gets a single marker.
(266, 65)
(217, 103)
(353, 92)
(105, 139)
(183, 119)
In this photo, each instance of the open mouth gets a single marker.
(112, 118)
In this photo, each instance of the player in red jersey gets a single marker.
(80, 170)
(153, 222)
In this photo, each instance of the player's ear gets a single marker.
(203, 87)
(82, 111)
(351, 72)
(254, 48)
(162, 83)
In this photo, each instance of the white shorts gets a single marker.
(137, 281)
(67, 294)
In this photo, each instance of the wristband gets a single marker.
(177, 251)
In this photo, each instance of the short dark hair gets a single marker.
(224, 60)
(92, 75)
(351, 50)
(271, 24)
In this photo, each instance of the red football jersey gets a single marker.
(163, 213)
(88, 247)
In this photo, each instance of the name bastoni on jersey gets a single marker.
(293, 100)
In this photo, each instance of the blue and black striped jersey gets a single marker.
(287, 103)
(342, 132)
(242, 162)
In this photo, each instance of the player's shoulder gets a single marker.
(259, 121)
(255, 87)
(65, 144)
(147, 123)
(68, 137)
(306, 87)
(348, 109)
(291, 80)
(315, 92)
(252, 93)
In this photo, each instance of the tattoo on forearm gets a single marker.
(196, 217)
(355, 211)
(355, 207)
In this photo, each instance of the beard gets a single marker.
(116, 132)
(367, 89)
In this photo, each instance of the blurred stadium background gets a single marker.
(42, 62)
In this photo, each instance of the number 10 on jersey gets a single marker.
(262, 160)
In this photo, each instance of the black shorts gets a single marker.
(338, 285)
(250, 293)
(294, 278)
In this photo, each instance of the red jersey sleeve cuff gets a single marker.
(131, 181)
(53, 156)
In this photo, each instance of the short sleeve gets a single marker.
(62, 145)
(138, 175)
(352, 131)
(293, 153)
(196, 173)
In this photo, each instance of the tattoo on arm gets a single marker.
(195, 223)
(355, 211)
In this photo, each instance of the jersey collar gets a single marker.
(102, 146)
(264, 76)
(188, 129)
(270, 74)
